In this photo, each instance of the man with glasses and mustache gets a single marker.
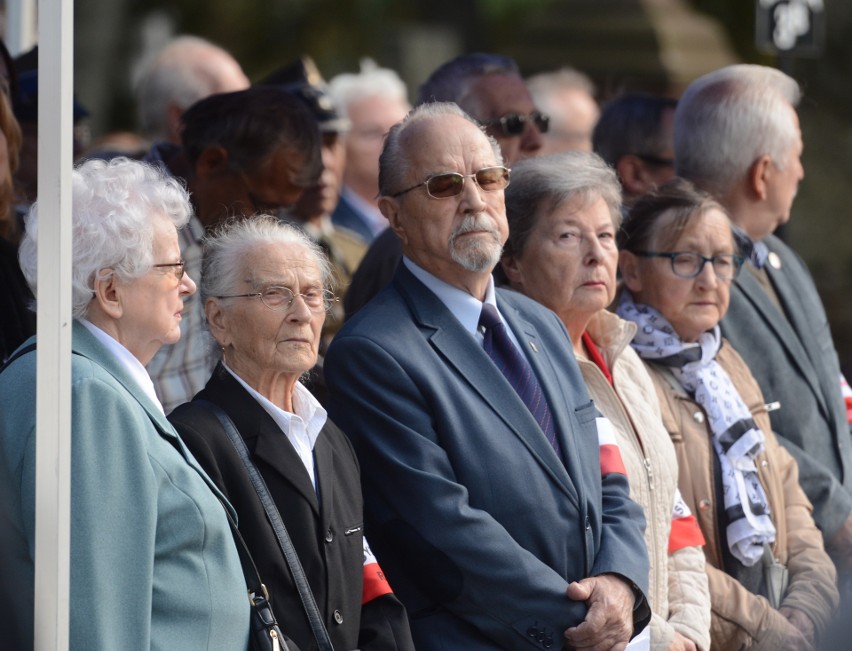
(242, 153)
(484, 492)
(488, 87)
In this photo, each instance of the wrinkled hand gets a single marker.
(609, 622)
(682, 643)
(801, 622)
(840, 546)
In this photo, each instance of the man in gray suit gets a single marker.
(491, 512)
(737, 136)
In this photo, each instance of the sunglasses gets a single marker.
(451, 184)
(513, 124)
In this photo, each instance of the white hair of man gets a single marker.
(729, 118)
(372, 81)
(115, 206)
(543, 84)
(188, 69)
(394, 161)
(227, 249)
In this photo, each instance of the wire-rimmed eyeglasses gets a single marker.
(451, 184)
(687, 264)
(279, 299)
(178, 268)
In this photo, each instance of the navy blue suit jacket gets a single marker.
(478, 524)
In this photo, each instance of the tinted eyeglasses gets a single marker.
(690, 265)
(178, 268)
(513, 124)
(279, 299)
(451, 184)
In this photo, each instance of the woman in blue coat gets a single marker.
(153, 562)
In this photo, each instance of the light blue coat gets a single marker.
(153, 562)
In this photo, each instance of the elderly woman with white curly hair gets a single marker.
(153, 561)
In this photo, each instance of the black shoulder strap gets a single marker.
(292, 558)
(19, 353)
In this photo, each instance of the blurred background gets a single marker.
(654, 45)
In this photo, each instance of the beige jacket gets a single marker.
(741, 619)
(678, 592)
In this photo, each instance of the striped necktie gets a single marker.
(517, 371)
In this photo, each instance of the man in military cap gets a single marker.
(314, 208)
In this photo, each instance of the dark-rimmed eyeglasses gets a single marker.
(451, 184)
(689, 265)
(513, 124)
(178, 268)
(279, 299)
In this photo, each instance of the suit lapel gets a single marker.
(324, 459)
(261, 433)
(795, 300)
(541, 360)
(751, 291)
(462, 352)
(86, 345)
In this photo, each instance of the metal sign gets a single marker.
(795, 27)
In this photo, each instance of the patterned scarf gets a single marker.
(736, 438)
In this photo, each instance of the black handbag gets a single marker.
(265, 634)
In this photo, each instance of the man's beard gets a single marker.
(479, 253)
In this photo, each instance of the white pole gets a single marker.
(20, 25)
(53, 391)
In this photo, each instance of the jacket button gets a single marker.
(588, 523)
(698, 416)
(548, 642)
(704, 505)
(532, 631)
(338, 617)
(329, 536)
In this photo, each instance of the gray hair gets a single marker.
(228, 247)
(394, 160)
(115, 206)
(347, 88)
(451, 82)
(180, 74)
(539, 185)
(632, 124)
(544, 83)
(728, 118)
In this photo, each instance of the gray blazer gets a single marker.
(795, 364)
(477, 523)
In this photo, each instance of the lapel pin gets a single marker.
(532, 345)
(774, 260)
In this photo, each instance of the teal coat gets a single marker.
(153, 562)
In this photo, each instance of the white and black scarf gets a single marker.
(737, 439)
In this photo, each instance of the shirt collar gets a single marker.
(305, 407)
(127, 360)
(463, 306)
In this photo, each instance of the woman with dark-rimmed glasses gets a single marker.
(771, 582)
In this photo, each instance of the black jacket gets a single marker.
(326, 532)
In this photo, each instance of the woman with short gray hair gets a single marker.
(266, 290)
(153, 561)
(564, 211)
